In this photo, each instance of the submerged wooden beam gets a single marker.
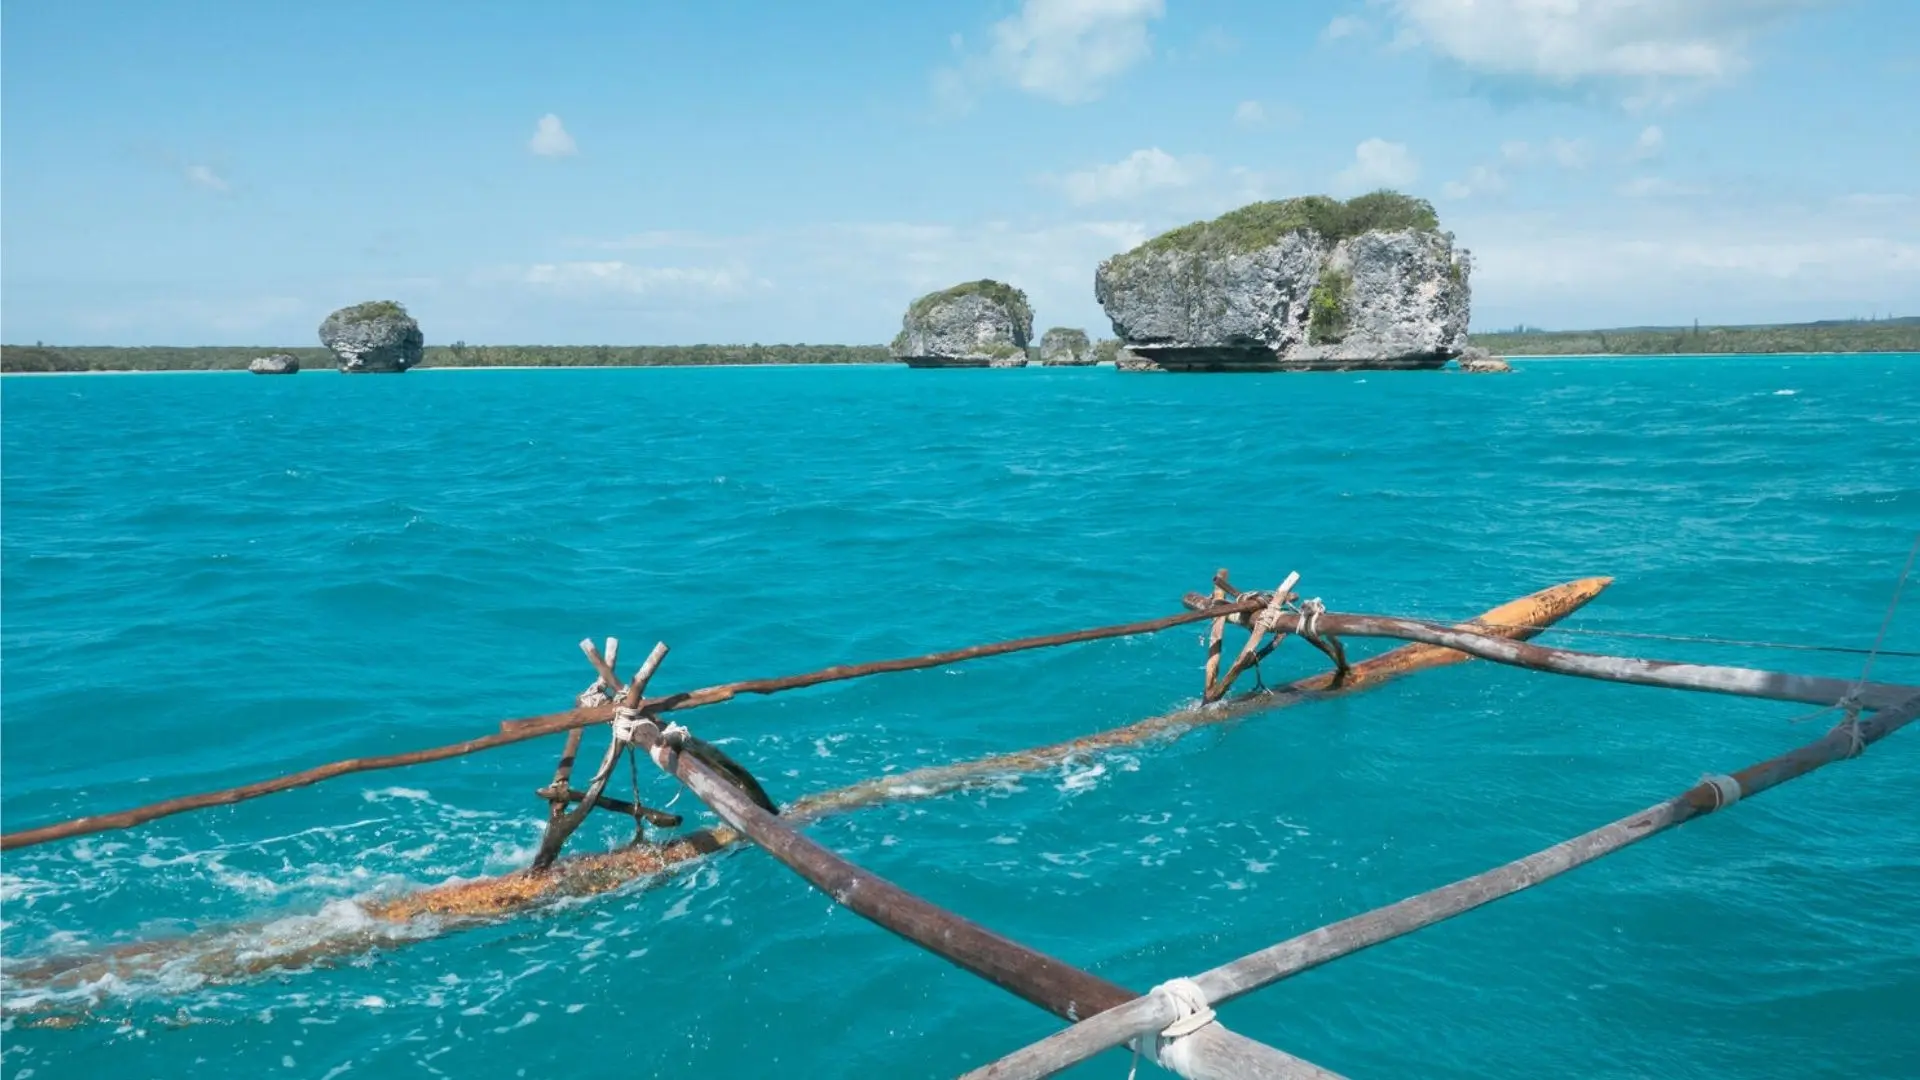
(1054, 985)
(515, 731)
(227, 954)
(1151, 1013)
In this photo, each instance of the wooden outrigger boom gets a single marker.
(1174, 1023)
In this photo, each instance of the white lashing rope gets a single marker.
(626, 724)
(1726, 790)
(1194, 1012)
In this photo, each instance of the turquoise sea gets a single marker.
(211, 579)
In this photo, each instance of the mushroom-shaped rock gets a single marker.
(976, 324)
(1478, 361)
(377, 336)
(1294, 285)
(277, 364)
(1064, 347)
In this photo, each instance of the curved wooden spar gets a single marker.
(233, 953)
(533, 727)
(1251, 972)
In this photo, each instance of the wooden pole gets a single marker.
(1148, 1014)
(1258, 630)
(1217, 632)
(1056, 986)
(560, 828)
(622, 807)
(1489, 644)
(489, 898)
(534, 727)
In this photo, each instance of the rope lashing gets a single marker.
(1310, 612)
(1190, 1001)
(595, 696)
(1856, 739)
(1726, 790)
(1195, 1013)
(626, 724)
(1269, 616)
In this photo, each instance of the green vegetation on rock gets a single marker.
(1014, 300)
(1106, 350)
(372, 311)
(1327, 307)
(1262, 224)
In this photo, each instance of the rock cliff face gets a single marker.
(1062, 347)
(1297, 285)
(377, 336)
(977, 324)
(277, 364)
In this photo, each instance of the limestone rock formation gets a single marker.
(377, 336)
(976, 324)
(277, 364)
(1106, 351)
(1478, 361)
(1296, 285)
(1064, 347)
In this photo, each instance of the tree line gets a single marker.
(24, 358)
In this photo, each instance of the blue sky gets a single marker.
(631, 173)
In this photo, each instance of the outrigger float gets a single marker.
(1173, 1023)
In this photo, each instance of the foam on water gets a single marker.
(257, 575)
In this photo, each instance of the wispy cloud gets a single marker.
(1517, 155)
(1344, 26)
(550, 139)
(1140, 173)
(203, 177)
(1643, 51)
(1067, 51)
(1378, 163)
(613, 276)
(1649, 143)
(1657, 187)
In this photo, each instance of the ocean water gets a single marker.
(212, 579)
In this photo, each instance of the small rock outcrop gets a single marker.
(375, 337)
(1479, 361)
(1106, 351)
(277, 364)
(1064, 347)
(1295, 285)
(976, 324)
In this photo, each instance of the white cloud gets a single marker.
(550, 139)
(1652, 187)
(1140, 173)
(1482, 180)
(1250, 114)
(612, 276)
(1067, 51)
(1378, 163)
(1517, 155)
(1653, 45)
(1344, 26)
(1566, 153)
(1650, 142)
(203, 176)
(1650, 262)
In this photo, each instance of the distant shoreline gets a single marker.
(1530, 357)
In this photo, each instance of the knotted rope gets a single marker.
(1193, 1013)
(626, 724)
